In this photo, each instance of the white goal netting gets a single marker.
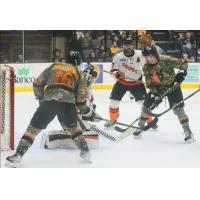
(6, 107)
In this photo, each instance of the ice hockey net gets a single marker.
(7, 80)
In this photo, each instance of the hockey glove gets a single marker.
(119, 75)
(91, 116)
(180, 76)
(156, 100)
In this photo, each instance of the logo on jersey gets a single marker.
(129, 68)
(122, 60)
(138, 59)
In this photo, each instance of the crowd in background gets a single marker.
(101, 45)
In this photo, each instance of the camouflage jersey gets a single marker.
(161, 76)
(61, 82)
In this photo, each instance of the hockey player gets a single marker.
(126, 67)
(59, 89)
(62, 139)
(160, 75)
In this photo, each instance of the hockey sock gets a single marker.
(24, 145)
(79, 140)
(183, 118)
(114, 113)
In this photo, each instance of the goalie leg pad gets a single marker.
(62, 140)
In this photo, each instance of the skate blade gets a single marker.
(190, 141)
(11, 165)
(136, 137)
(86, 160)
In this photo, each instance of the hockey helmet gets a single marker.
(74, 57)
(150, 50)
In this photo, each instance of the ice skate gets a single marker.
(13, 161)
(189, 138)
(85, 152)
(137, 134)
(86, 156)
(110, 124)
(131, 96)
(155, 126)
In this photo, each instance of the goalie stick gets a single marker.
(148, 112)
(96, 130)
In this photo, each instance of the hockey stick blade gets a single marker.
(119, 129)
(130, 130)
(119, 123)
(147, 127)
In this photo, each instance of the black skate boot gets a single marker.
(13, 161)
(137, 134)
(189, 138)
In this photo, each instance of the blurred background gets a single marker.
(40, 46)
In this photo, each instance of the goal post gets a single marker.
(7, 82)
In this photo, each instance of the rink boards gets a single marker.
(25, 74)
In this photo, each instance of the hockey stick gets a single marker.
(95, 129)
(103, 133)
(130, 130)
(168, 91)
(145, 128)
(108, 72)
(148, 112)
(122, 130)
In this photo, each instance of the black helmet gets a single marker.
(128, 40)
(74, 57)
(150, 50)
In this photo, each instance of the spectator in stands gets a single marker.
(159, 49)
(75, 43)
(56, 55)
(184, 39)
(103, 55)
(3, 57)
(19, 58)
(92, 57)
(114, 49)
(86, 42)
(190, 51)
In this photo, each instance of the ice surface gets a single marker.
(161, 148)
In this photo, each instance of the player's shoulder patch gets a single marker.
(122, 59)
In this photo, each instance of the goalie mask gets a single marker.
(128, 47)
(89, 73)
